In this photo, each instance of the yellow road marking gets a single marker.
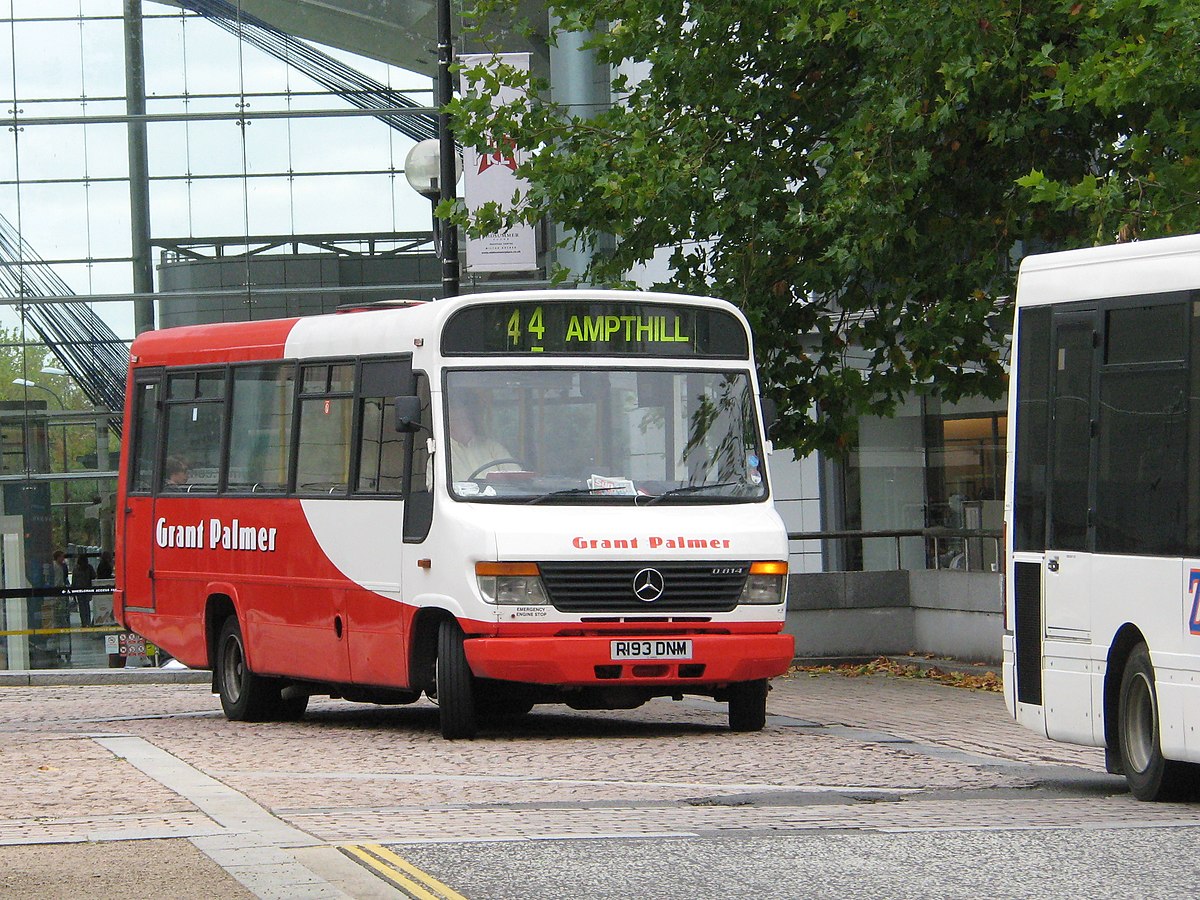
(401, 873)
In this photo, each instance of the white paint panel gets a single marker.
(1067, 595)
(1117, 270)
(1067, 695)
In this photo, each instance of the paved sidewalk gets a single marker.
(156, 767)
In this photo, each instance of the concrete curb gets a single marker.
(62, 677)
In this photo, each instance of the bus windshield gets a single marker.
(597, 435)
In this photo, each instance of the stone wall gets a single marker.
(866, 614)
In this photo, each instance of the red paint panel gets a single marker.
(192, 345)
(573, 661)
(290, 598)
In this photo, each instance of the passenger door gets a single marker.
(1072, 457)
(1066, 650)
(136, 543)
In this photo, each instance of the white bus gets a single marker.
(1102, 599)
(496, 501)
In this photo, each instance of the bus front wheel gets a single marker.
(245, 697)
(748, 705)
(1150, 776)
(455, 684)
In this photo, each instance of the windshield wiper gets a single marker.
(568, 492)
(691, 489)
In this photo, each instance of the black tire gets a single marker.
(290, 709)
(748, 705)
(496, 701)
(245, 697)
(455, 685)
(1150, 776)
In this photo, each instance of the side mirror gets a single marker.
(408, 414)
(770, 414)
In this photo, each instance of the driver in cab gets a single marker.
(473, 453)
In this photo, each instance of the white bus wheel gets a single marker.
(1150, 776)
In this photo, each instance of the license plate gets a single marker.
(655, 649)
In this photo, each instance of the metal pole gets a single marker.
(139, 169)
(447, 175)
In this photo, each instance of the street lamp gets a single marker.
(26, 383)
(423, 170)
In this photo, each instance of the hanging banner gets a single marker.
(492, 177)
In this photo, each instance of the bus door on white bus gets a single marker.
(1067, 584)
(1071, 459)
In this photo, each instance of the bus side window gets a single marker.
(326, 413)
(145, 436)
(195, 409)
(418, 503)
(381, 448)
(260, 440)
(381, 457)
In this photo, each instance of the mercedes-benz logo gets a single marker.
(648, 585)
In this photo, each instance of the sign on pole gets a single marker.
(491, 177)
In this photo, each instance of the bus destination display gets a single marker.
(585, 328)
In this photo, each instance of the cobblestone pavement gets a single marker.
(883, 754)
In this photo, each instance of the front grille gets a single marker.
(609, 586)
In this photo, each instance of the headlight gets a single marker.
(765, 583)
(511, 584)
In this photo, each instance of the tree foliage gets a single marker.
(856, 176)
(24, 361)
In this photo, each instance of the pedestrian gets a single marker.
(57, 611)
(81, 583)
(104, 568)
(59, 575)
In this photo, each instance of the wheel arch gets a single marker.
(1128, 636)
(422, 650)
(217, 609)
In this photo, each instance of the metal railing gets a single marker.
(43, 628)
(961, 549)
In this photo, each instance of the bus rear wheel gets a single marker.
(245, 697)
(1150, 776)
(748, 705)
(455, 685)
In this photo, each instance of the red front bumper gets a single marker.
(581, 661)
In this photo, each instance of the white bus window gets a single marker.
(381, 449)
(381, 454)
(1142, 476)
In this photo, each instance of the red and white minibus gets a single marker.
(496, 500)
